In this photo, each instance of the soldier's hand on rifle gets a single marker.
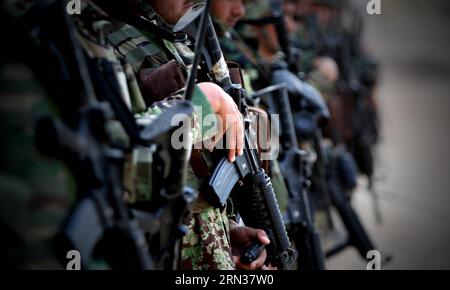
(230, 119)
(241, 238)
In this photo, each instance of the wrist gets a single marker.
(212, 92)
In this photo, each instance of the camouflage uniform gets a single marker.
(36, 192)
(206, 245)
(339, 127)
(236, 50)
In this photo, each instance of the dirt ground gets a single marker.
(412, 41)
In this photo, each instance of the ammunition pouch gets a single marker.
(161, 82)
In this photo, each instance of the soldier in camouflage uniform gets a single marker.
(332, 31)
(36, 192)
(208, 243)
(320, 70)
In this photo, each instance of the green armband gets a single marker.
(205, 120)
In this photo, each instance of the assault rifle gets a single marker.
(256, 204)
(86, 92)
(292, 160)
(357, 78)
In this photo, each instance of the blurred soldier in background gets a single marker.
(264, 51)
(334, 30)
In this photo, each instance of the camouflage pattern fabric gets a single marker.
(229, 42)
(36, 192)
(138, 49)
(206, 243)
(257, 9)
(142, 50)
(236, 50)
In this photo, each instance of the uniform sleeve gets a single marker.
(204, 121)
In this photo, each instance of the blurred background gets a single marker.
(411, 39)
